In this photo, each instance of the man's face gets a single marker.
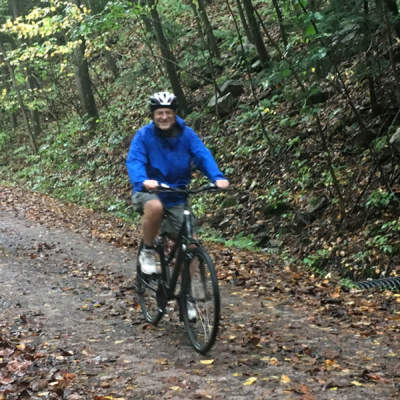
(164, 118)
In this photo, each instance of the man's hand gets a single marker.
(222, 183)
(150, 185)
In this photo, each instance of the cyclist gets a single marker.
(162, 152)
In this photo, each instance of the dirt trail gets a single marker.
(69, 300)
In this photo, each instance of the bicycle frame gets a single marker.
(183, 241)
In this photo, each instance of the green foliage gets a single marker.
(317, 260)
(200, 206)
(380, 198)
(241, 241)
(384, 237)
(303, 176)
(380, 143)
(4, 140)
(275, 200)
(347, 283)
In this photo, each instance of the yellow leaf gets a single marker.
(285, 379)
(162, 361)
(250, 381)
(119, 341)
(20, 346)
(206, 362)
(356, 383)
(273, 361)
(204, 394)
(176, 388)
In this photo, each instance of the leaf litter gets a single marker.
(284, 333)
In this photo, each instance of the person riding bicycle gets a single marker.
(162, 152)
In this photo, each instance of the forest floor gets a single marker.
(71, 327)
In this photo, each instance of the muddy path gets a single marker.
(71, 328)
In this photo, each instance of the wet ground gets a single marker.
(71, 327)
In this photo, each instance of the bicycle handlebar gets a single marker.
(210, 187)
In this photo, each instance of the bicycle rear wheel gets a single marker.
(200, 287)
(148, 291)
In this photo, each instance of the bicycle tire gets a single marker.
(200, 285)
(148, 291)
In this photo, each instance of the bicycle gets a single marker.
(198, 284)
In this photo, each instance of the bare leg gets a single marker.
(151, 221)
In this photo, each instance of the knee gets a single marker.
(153, 208)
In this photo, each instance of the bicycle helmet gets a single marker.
(163, 100)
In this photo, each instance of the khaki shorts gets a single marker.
(173, 216)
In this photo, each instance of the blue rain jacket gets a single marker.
(168, 160)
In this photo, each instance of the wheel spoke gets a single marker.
(202, 291)
(147, 288)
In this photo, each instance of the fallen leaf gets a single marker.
(285, 379)
(273, 361)
(206, 362)
(250, 381)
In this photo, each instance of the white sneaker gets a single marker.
(191, 311)
(147, 262)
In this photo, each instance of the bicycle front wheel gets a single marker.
(200, 300)
(147, 288)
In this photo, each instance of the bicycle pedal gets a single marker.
(151, 277)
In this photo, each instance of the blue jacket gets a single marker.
(168, 159)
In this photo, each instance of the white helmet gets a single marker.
(163, 100)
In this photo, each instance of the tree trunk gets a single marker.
(244, 22)
(198, 21)
(212, 42)
(169, 59)
(255, 33)
(369, 60)
(35, 115)
(16, 8)
(84, 84)
(391, 6)
(112, 65)
(13, 119)
(31, 119)
(281, 24)
(390, 45)
(29, 133)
